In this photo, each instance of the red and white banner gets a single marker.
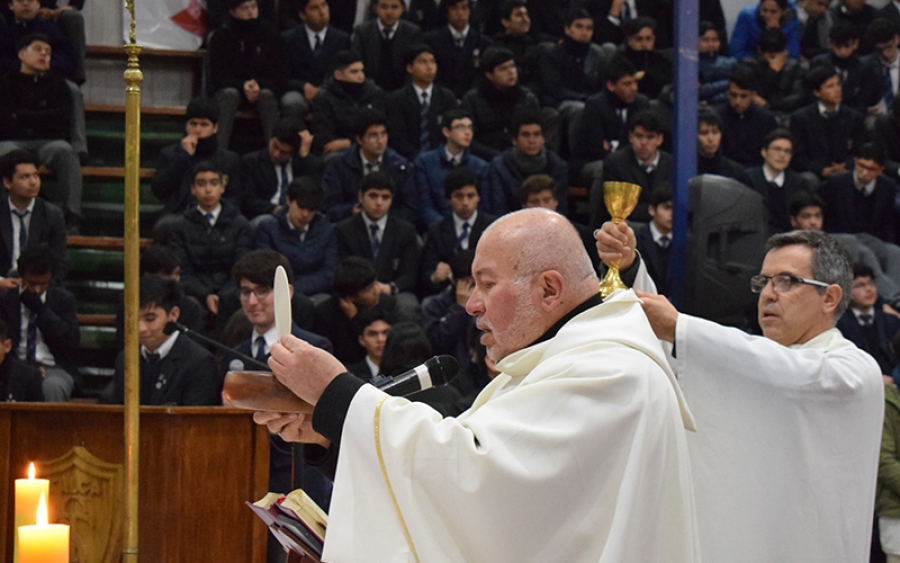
(168, 24)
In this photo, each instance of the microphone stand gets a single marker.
(252, 361)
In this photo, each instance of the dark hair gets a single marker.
(11, 160)
(259, 266)
(206, 166)
(535, 184)
(306, 192)
(803, 199)
(159, 291)
(509, 6)
(287, 131)
(708, 116)
(376, 2)
(662, 194)
(880, 30)
(459, 178)
(407, 346)
(159, 259)
(26, 41)
(820, 75)
(353, 275)
(619, 67)
(862, 271)
(445, 5)
(783, 4)
(368, 315)
(301, 5)
(577, 13)
(831, 263)
(634, 26)
(232, 4)
(494, 57)
(523, 118)
(377, 181)
(454, 114)
(416, 49)
(743, 77)
(776, 134)
(202, 108)
(842, 32)
(706, 25)
(649, 120)
(37, 260)
(461, 264)
(369, 118)
(872, 151)
(772, 40)
(4, 331)
(343, 59)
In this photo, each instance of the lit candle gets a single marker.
(28, 493)
(43, 542)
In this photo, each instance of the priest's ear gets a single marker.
(832, 298)
(551, 285)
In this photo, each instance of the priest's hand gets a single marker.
(304, 369)
(616, 243)
(292, 427)
(661, 314)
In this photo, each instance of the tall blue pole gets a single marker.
(684, 131)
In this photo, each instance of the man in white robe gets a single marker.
(785, 456)
(576, 452)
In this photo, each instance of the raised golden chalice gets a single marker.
(620, 199)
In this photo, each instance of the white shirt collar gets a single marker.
(822, 109)
(164, 348)
(382, 27)
(419, 91)
(456, 158)
(654, 163)
(382, 223)
(311, 35)
(457, 35)
(657, 234)
(866, 189)
(373, 369)
(458, 222)
(29, 207)
(215, 212)
(777, 180)
(270, 335)
(859, 312)
(362, 158)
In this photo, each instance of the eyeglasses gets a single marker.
(260, 292)
(782, 283)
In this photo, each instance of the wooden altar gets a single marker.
(197, 467)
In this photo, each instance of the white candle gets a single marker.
(43, 542)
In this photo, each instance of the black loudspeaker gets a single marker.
(726, 239)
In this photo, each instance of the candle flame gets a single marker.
(42, 511)
(31, 470)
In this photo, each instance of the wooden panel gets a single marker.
(198, 466)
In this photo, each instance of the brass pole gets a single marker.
(133, 79)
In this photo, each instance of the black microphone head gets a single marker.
(170, 327)
(442, 369)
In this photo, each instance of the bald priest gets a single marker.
(575, 452)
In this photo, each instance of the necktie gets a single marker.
(830, 114)
(865, 320)
(261, 348)
(888, 88)
(375, 243)
(303, 234)
(371, 167)
(626, 12)
(23, 231)
(211, 219)
(463, 237)
(388, 31)
(318, 44)
(283, 185)
(423, 123)
(460, 41)
(152, 358)
(664, 241)
(31, 339)
(623, 114)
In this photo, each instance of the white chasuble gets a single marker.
(575, 453)
(785, 456)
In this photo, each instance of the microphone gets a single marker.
(172, 326)
(439, 370)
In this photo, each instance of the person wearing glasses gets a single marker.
(785, 456)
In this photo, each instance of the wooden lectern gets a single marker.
(197, 467)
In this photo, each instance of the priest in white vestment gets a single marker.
(576, 452)
(785, 456)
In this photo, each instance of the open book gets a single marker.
(295, 520)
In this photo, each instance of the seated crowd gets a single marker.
(393, 136)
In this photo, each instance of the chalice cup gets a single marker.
(620, 199)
